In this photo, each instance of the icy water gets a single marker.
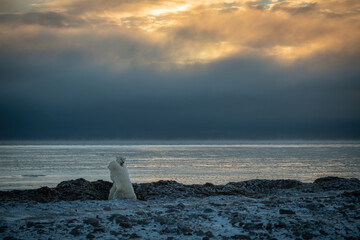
(32, 165)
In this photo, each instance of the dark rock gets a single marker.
(194, 216)
(92, 221)
(243, 237)
(353, 194)
(253, 226)
(312, 206)
(161, 219)
(307, 235)
(122, 220)
(209, 234)
(280, 225)
(172, 210)
(125, 225)
(269, 227)
(236, 219)
(134, 235)
(98, 230)
(351, 238)
(323, 233)
(286, 211)
(38, 225)
(169, 206)
(147, 191)
(9, 238)
(107, 209)
(181, 206)
(200, 233)
(90, 236)
(350, 206)
(208, 210)
(118, 217)
(184, 229)
(3, 228)
(42, 195)
(336, 183)
(142, 222)
(30, 224)
(217, 204)
(75, 232)
(81, 189)
(114, 233)
(297, 233)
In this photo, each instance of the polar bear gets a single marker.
(122, 187)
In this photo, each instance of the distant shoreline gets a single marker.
(173, 141)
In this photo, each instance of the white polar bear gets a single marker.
(122, 187)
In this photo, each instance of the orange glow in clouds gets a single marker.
(187, 32)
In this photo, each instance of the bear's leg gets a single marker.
(112, 191)
(119, 194)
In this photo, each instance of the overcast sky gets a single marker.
(128, 69)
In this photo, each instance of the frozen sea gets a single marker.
(26, 165)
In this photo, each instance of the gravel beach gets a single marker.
(329, 208)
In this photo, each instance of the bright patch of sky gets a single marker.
(266, 3)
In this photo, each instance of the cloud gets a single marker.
(297, 9)
(12, 5)
(48, 19)
(286, 31)
(80, 7)
(237, 98)
(74, 68)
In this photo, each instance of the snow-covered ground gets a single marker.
(288, 215)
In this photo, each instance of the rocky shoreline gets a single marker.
(328, 208)
(81, 189)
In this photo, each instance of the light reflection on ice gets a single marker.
(215, 162)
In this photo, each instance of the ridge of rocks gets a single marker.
(81, 189)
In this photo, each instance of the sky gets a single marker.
(179, 69)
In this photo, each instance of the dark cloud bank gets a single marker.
(241, 98)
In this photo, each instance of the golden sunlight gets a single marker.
(189, 32)
(207, 53)
(168, 9)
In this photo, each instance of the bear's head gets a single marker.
(120, 160)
